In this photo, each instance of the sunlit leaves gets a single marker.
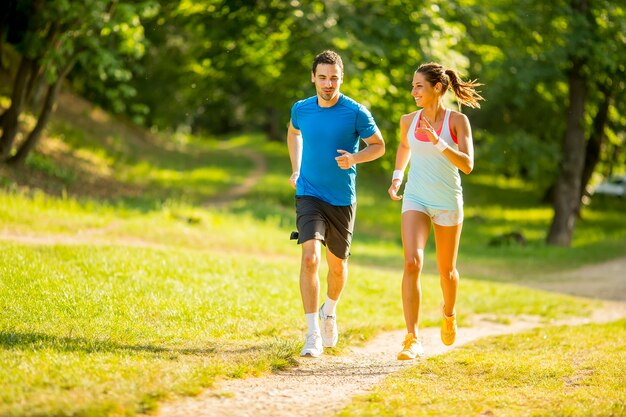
(523, 51)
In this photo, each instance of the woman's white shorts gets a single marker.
(437, 216)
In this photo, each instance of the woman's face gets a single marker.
(422, 91)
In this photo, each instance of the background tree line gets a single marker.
(553, 72)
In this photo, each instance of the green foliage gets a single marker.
(96, 33)
(235, 66)
(524, 59)
(518, 155)
(108, 46)
(224, 66)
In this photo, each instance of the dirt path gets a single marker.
(260, 167)
(336, 379)
(606, 281)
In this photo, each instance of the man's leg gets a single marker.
(309, 290)
(338, 240)
(309, 279)
(337, 277)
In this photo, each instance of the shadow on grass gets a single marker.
(40, 341)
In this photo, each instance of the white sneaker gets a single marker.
(411, 348)
(328, 325)
(312, 345)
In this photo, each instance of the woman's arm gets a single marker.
(402, 156)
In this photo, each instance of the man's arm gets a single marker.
(294, 143)
(375, 149)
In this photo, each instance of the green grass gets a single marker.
(112, 325)
(564, 371)
(120, 287)
(161, 322)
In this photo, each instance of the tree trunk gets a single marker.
(10, 123)
(36, 94)
(548, 195)
(36, 77)
(274, 133)
(594, 144)
(46, 111)
(613, 160)
(567, 190)
(24, 80)
(568, 184)
(3, 34)
(37, 82)
(7, 12)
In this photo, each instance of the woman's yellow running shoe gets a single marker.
(412, 348)
(448, 328)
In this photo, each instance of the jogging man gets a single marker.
(323, 139)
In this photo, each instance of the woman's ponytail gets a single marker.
(465, 91)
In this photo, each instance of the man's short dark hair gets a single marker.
(327, 57)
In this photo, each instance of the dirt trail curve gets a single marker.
(260, 167)
(336, 379)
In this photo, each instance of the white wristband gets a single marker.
(441, 145)
(398, 174)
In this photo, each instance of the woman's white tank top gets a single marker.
(433, 180)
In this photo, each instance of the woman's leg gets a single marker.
(415, 230)
(447, 242)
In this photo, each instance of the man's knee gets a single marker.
(339, 268)
(310, 260)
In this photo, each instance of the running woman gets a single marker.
(438, 143)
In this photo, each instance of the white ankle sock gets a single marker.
(312, 323)
(330, 306)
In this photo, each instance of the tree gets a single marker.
(592, 33)
(226, 65)
(7, 9)
(29, 65)
(553, 76)
(92, 33)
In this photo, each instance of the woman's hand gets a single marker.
(426, 128)
(393, 189)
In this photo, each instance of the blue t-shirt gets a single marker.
(324, 130)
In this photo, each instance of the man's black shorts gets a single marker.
(333, 225)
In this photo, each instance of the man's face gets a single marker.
(327, 79)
